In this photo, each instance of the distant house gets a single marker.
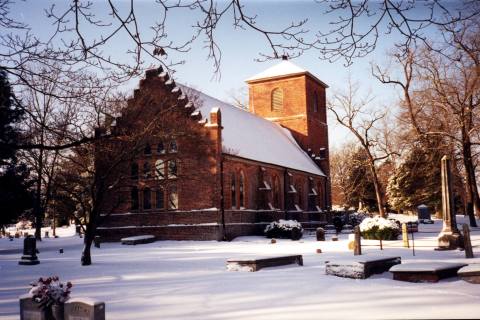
(212, 170)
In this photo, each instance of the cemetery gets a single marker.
(195, 279)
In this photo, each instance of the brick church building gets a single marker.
(202, 169)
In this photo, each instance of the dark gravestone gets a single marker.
(423, 212)
(84, 309)
(29, 256)
(78, 229)
(29, 309)
(96, 241)
(320, 234)
(467, 243)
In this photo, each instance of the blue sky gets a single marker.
(240, 48)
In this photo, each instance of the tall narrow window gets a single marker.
(277, 99)
(233, 192)
(312, 195)
(147, 170)
(159, 199)
(134, 198)
(160, 148)
(300, 195)
(172, 198)
(241, 189)
(276, 192)
(315, 101)
(134, 171)
(160, 169)
(172, 169)
(147, 150)
(147, 199)
(173, 146)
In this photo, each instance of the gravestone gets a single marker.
(357, 245)
(47, 235)
(96, 241)
(84, 309)
(320, 234)
(449, 238)
(467, 243)
(29, 309)
(423, 212)
(29, 256)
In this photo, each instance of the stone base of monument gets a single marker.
(28, 260)
(138, 240)
(361, 267)
(449, 241)
(470, 273)
(425, 272)
(257, 263)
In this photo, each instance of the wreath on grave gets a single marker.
(378, 228)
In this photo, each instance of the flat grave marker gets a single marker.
(361, 267)
(256, 263)
(470, 273)
(138, 240)
(425, 272)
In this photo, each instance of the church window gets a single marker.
(172, 169)
(134, 198)
(277, 99)
(147, 150)
(312, 195)
(172, 198)
(276, 192)
(173, 146)
(160, 148)
(233, 193)
(241, 189)
(147, 170)
(159, 197)
(134, 171)
(147, 201)
(160, 169)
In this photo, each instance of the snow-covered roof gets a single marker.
(252, 137)
(284, 68)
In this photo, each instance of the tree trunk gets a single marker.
(378, 191)
(37, 206)
(470, 180)
(86, 259)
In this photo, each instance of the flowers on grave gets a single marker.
(378, 228)
(49, 291)
(284, 229)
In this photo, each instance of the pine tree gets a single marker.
(15, 197)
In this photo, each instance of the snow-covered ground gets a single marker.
(189, 280)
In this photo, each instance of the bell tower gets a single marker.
(294, 98)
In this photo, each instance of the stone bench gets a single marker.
(425, 272)
(255, 264)
(361, 267)
(470, 273)
(138, 240)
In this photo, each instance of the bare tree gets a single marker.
(351, 111)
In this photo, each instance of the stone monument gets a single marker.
(29, 252)
(449, 238)
(29, 309)
(84, 309)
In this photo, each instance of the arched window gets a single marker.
(172, 198)
(134, 198)
(159, 199)
(277, 99)
(241, 189)
(172, 169)
(173, 147)
(160, 169)
(148, 149)
(147, 199)
(233, 191)
(134, 171)
(160, 148)
(147, 170)
(276, 192)
(315, 101)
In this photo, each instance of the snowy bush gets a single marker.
(284, 229)
(48, 291)
(378, 228)
(356, 218)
